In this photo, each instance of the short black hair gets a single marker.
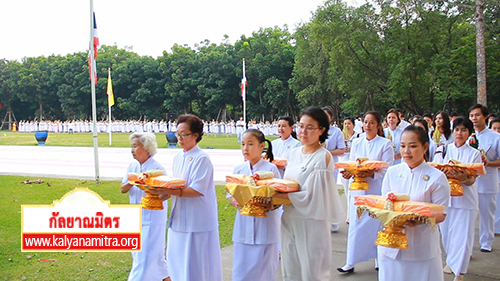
(464, 122)
(195, 124)
(494, 121)
(288, 119)
(483, 108)
(320, 116)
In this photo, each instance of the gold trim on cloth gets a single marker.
(394, 224)
(250, 198)
(150, 201)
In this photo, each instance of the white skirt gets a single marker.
(457, 235)
(255, 262)
(150, 264)
(425, 270)
(362, 234)
(194, 256)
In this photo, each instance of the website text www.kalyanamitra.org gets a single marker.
(81, 241)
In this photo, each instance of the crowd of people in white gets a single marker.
(230, 127)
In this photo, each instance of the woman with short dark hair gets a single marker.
(193, 250)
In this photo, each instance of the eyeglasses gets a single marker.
(182, 136)
(307, 129)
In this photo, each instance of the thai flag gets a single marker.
(95, 44)
(243, 83)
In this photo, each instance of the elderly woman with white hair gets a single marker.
(150, 264)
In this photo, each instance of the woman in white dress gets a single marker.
(306, 248)
(423, 183)
(363, 231)
(287, 141)
(457, 231)
(193, 248)
(255, 239)
(150, 264)
(393, 132)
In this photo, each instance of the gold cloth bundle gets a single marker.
(394, 221)
(145, 181)
(250, 198)
(358, 166)
(472, 169)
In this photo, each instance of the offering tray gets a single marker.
(357, 167)
(250, 197)
(472, 169)
(152, 201)
(394, 224)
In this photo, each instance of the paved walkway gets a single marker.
(78, 162)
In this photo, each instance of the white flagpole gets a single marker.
(244, 97)
(109, 107)
(92, 83)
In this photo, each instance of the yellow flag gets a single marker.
(111, 98)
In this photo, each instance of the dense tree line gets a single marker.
(415, 55)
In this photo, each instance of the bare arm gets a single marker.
(125, 187)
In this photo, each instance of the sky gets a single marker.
(44, 27)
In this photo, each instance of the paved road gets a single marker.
(78, 162)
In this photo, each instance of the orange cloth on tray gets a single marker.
(239, 179)
(369, 164)
(419, 208)
(135, 177)
(280, 184)
(280, 162)
(166, 182)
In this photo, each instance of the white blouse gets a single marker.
(253, 230)
(464, 154)
(423, 183)
(489, 141)
(378, 148)
(149, 217)
(194, 214)
(282, 148)
(318, 197)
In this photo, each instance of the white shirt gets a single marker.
(424, 184)
(396, 140)
(316, 199)
(377, 148)
(149, 217)
(464, 154)
(194, 214)
(489, 141)
(253, 230)
(334, 141)
(282, 148)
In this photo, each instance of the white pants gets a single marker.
(457, 234)
(487, 207)
(194, 256)
(150, 264)
(306, 249)
(255, 262)
(423, 270)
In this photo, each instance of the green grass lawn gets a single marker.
(17, 265)
(118, 140)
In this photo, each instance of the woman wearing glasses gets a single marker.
(193, 249)
(305, 225)
(363, 232)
